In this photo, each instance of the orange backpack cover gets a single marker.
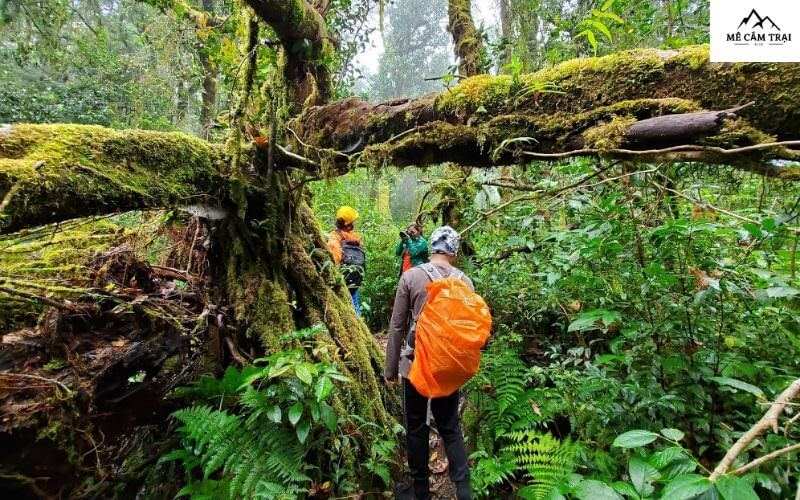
(451, 330)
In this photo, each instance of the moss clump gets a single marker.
(52, 261)
(694, 57)
(587, 74)
(433, 143)
(738, 132)
(56, 172)
(608, 135)
(488, 91)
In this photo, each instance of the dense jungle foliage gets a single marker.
(646, 314)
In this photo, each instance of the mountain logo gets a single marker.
(761, 21)
(756, 30)
(753, 31)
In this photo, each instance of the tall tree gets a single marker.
(467, 40)
(415, 49)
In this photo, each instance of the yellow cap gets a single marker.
(346, 214)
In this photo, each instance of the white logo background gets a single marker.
(753, 43)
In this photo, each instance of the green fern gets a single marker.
(254, 455)
(508, 404)
(489, 472)
(545, 460)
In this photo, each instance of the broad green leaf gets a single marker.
(738, 384)
(686, 487)
(323, 388)
(625, 489)
(753, 229)
(679, 468)
(589, 36)
(274, 413)
(278, 370)
(328, 416)
(635, 439)
(735, 488)
(313, 408)
(642, 476)
(338, 376)
(673, 434)
(304, 372)
(602, 28)
(607, 5)
(592, 39)
(590, 489)
(295, 412)
(608, 15)
(663, 458)
(302, 429)
(589, 320)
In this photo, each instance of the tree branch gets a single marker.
(766, 458)
(769, 420)
(582, 107)
(50, 173)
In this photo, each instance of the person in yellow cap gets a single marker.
(347, 249)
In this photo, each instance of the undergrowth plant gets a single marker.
(260, 429)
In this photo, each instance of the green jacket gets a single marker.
(417, 249)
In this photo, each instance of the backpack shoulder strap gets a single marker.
(432, 271)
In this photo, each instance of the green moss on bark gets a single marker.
(580, 85)
(52, 261)
(56, 172)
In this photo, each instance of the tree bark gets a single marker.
(507, 29)
(306, 44)
(209, 97)
(467, 41)
(581, 104)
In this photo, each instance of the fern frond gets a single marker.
(544, 459)
(248, 453)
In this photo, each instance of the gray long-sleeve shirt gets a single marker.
(408, 302)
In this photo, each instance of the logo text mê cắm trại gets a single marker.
(749, 31)
(757, 29)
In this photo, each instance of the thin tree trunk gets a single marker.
(467, 41)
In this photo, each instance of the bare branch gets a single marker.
(768, 421)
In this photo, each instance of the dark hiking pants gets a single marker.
(445, 413)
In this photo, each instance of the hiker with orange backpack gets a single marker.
(346, 247)
(439, 326)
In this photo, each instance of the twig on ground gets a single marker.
(37, 377)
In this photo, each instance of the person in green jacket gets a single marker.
(412, 248)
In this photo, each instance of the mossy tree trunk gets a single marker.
(580, 104)
(307, 49)
(467, 40)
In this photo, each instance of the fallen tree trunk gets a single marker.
(50, 173)
(595, 104)
(83, 390)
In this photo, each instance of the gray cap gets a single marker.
(445, 240)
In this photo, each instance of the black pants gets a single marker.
(445, 413)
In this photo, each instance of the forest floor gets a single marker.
(441, 486)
